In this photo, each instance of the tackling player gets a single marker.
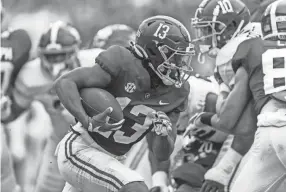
(250, 57)
(15, 50)
(263, 168)
(57, 50)
(158, 64)
(224, 26)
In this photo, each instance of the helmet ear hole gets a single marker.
(234, 24)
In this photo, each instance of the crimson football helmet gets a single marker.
(218, 21)
(117, 34)
(58, 48)
(165, 44)
(273, 21)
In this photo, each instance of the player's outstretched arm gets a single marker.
(68, 86)
(232, 108)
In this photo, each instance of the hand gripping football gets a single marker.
(96, 100)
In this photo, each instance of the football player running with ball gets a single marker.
(157, 66)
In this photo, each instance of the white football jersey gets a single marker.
(33, 80)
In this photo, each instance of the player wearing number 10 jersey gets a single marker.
(147, 79)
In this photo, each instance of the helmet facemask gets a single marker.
(207, 30)
(176, 67)
(58, 62)
(212, 32)
(274, 28)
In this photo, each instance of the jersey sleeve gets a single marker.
(111, 60)
(248, 50)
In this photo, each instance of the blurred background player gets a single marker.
(57, 49)
(15, 50)
(116, 34)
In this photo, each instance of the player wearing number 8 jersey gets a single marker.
(147, 79)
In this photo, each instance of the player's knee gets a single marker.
(138, 186)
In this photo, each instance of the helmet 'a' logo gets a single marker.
(130, 87)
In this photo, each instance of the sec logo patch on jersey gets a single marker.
(130, 87)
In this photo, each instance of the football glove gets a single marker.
(162, 125)
(198, 129)
(100, 122)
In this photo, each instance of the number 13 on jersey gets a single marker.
(137, 128)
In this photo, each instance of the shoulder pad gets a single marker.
(87, 57)
(33, 84)
(114, 59)
(227, 53)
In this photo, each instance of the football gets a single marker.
(96, 100)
